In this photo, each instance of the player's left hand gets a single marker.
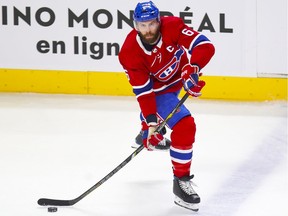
(190, 77)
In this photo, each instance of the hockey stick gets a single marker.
(56, 202)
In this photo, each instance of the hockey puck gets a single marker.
(52, 209)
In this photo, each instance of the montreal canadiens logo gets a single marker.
(171, 68)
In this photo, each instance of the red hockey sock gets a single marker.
(182, 139)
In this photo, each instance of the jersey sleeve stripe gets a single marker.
(198, 40)
(148, 83)
(143, 93)
(144, 89)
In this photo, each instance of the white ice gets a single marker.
(58, 146)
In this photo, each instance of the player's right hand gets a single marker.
(150, 137)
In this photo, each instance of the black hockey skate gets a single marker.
(163, 145)
(185, 196)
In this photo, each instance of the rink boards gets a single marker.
(116, 83)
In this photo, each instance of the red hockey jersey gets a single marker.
(159, 71)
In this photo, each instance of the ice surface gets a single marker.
(58, 146)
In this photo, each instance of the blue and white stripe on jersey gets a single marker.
(198, 40)
(145, 89)
(164, 87)
(181, 156)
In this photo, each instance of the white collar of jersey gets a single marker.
(159, 44)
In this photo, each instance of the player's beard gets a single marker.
(150, 38)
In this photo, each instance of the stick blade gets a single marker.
(53, 202)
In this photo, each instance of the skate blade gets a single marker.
(190, 206)
(135, 145)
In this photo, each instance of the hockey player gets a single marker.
(160, 56)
